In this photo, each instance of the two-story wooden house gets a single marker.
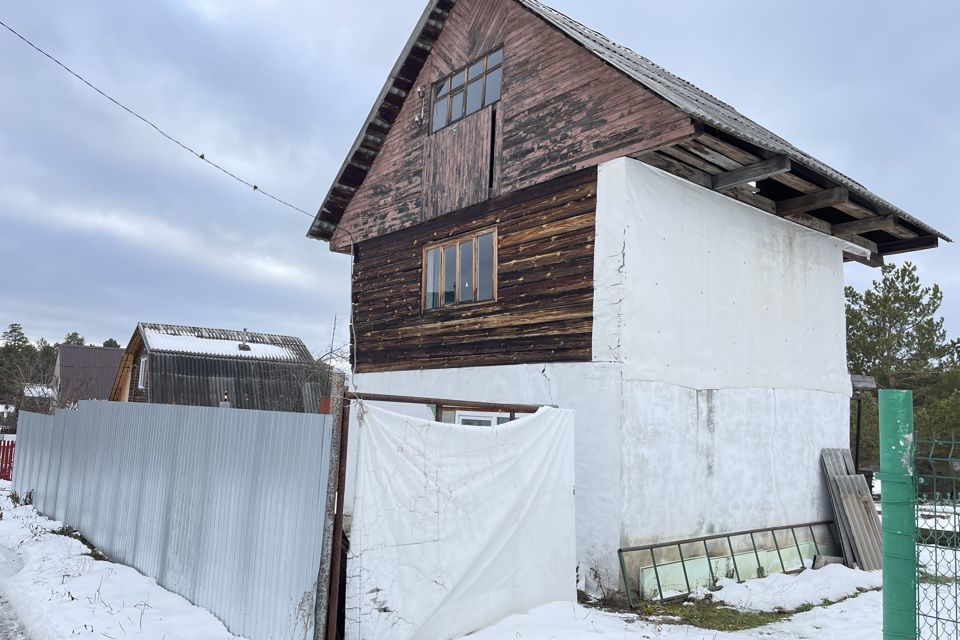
(536, 214)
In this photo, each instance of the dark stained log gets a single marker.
(880, 223)
(813, 201)
(750, 173)
(544, 306)
(902, 246)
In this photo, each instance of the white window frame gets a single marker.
(142, 373)
(491, 416)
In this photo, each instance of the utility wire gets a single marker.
(146, 121)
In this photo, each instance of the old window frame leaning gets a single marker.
(444, 91)
(455, 243)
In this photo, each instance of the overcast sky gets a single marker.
(103, 223)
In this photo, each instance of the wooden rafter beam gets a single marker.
(878, 223)
(875, 259)
(813, 201)
(902, 246)
(752, 172)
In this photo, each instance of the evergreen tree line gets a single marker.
(896, 335)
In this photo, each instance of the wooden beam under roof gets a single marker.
(875, 259)
(752, 172)
(879, 223)
(813, 201)
(914, 244)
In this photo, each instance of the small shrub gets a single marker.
(28, 497)
(15, 498)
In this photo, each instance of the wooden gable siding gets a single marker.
(562, 109)
(456, 169)
(544, 306)
(136, 393)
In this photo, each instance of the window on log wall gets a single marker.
(467, 90)
(460, 271)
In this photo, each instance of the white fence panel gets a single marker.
(222, 506)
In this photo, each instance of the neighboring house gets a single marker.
(85, 372)
(171, 364)
(536, 214)
(38, 398)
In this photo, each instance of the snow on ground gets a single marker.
(856, 618)
(57, 590)
(781, 592)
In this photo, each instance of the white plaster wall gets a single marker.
(592, 390)
(730, 326)
(699, 290)
(713, 461)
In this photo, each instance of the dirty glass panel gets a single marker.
(450, 275)
(456, 110)
(493, 86)
(431, 296)
(485, 267)
(466, 271)
(440, 114)
(474, 96)
(443, 88)
(457, 79)
(475, 71)
(494, 58)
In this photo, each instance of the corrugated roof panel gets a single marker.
(224, 343)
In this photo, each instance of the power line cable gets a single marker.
(148, 122)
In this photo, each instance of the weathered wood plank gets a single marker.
(750, 173)
(813, 201)
(880, 223)
(544, 309)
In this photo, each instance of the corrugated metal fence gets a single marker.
(222, 506)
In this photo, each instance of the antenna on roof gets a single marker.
(243, 344)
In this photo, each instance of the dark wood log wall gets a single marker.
(136, 393)
(544, 309)
(562, 109)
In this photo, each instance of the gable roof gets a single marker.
(693, 101)
(87, 370)
(222, 343)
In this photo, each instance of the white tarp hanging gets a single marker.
(455, 527)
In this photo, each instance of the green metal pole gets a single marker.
(897, 496)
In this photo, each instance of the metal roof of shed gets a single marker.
(223, 343)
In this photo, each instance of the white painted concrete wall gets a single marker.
(700, 290)
(719, 369)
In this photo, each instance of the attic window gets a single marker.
(460, 271)
(467, 90)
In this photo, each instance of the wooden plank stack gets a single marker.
(858, 524)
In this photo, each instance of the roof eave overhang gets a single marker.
(365, 148)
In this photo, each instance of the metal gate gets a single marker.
(936, 474)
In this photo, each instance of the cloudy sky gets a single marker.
(103, 223)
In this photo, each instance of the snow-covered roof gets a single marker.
(38, 391)
(223, 343)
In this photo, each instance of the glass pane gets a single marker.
(485, 267)
(450, 275)
(457, 111)
(443, 87)
(495, 58)
(493, 86)
(474, 96)
(440, 114)
(456, 80)
(431, 297)
(475, 71)
(466, 271)
(476, 422)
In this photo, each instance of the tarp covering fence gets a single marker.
(456, 527)
(222, 506)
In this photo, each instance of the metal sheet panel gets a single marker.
(222, 506)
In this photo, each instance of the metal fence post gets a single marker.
(899, 522)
